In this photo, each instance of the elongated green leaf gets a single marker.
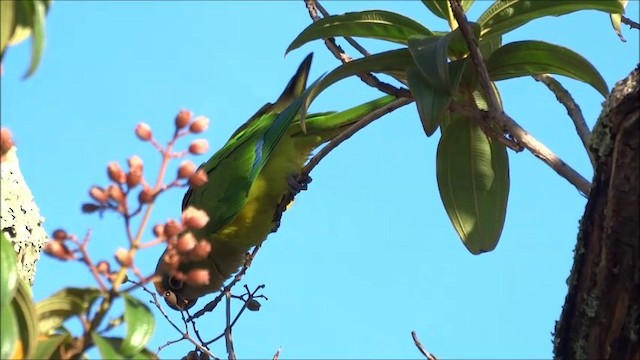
(8, 270)
(374, 24)
(473, 180)
(26, 318)
(8, 333)
(7, 23)
(506, 15)
(430, 56)
(66, 303)
(38, 38)
(140, 325)
(394, 60)
(441, 8)
(116, 343)
(47, 347)
(524, 58)
(432, 105)
(616, 20)
(107, 351)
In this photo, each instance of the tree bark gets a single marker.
(601, 315)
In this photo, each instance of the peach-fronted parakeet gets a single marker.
(248, 179)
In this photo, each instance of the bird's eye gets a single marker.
(175, 284)
(176, 303)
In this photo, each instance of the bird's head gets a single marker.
(174, 291)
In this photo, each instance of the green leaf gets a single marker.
(457, 46)
(432, 104)
(8, 333)
(616, 21)
(7, 23)
(38, 39)
(26, 318)
(66, 303)
(394, 60)
(441, 8)
(430, 56)
(489, 44)
(107, 351)
(473, 180)
(524, 58)
(374, 24)
(48, 346)
(8, 270)
(506, 15)
(140, 325)
(116, 343)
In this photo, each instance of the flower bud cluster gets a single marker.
(183, 246)
(57, 246)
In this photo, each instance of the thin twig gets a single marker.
(538, 149)
(368, 78)
(424, 352)
(185, 334)
(573, 109)
(227, 331)
(349, 39)
(211, 305)
(277, 354)
(632, 24)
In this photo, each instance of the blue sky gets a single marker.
(367, 254)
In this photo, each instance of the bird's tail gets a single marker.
(325, 126)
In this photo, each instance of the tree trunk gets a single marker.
(601, 315)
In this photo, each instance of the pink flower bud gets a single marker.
(194, 218)
(60, 235)
(198, 179)
(115, 172)
(185, 243)
(58, 250)
(143, 131)
(171, 260)
(146, 195)
(103, 267)
(183, 118)
(198, 277)
(134, 178)
(172, 228)
(199, 147)
(135, 162)
(200, 251)
(115, 193)
(123, 257)
(199, 125)
(158, 230)
(186, 169)
(6, 141)
(98, 194)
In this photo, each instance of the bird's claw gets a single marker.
(296, 185)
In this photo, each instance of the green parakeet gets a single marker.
(248, 178)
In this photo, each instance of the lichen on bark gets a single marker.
(20, 218)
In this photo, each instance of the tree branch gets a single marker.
(573, 109)
(538, 149)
